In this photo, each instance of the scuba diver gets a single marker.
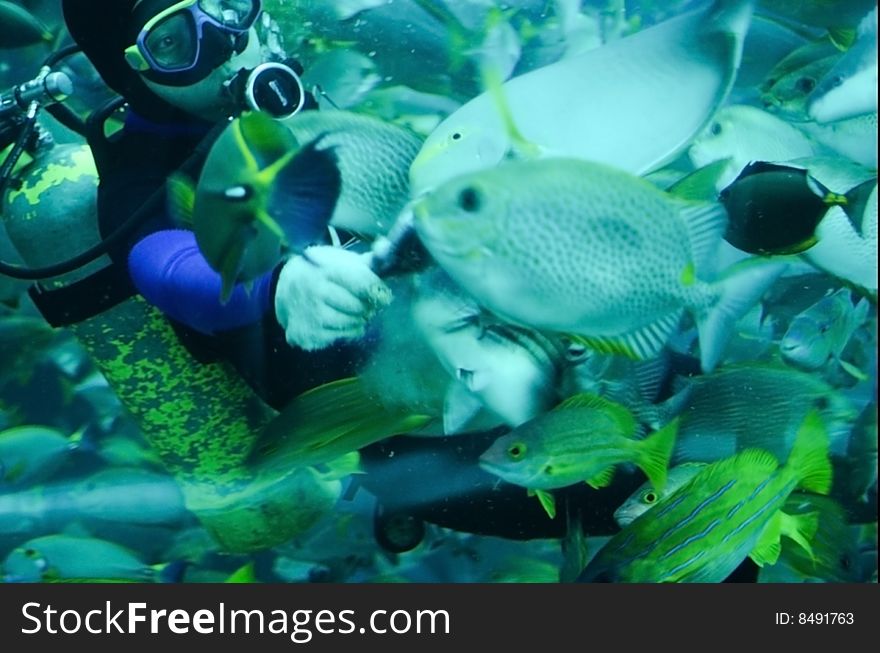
(185, 68)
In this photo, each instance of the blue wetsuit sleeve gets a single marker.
(170, 272)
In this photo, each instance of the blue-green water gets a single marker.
(588, 292)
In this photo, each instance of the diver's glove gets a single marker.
(326, 294)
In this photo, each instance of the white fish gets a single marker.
(850, 87)
(854, 138)
(744, 134)
(509, 370)
(577, 247)
(634, 103)
(844, 252)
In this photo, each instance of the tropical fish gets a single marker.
(373, 158)
(819, 13)
(29, 454)
(582, 248)
(821, 333)
(647, 496)
(633, 103)
(514, 372)
(776, 208)
(845, 251)
(729, 511)
(755, 405)
(261, 194)
(18, 27)
(788, 96)
(743, 134)
(583, 439)
(323, 425)
(849, 89)
(341, 78)
(129, 496)
(70, 559)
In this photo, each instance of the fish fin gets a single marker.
(809, 461)
(547, 501)
(641, 344)
(338, 468)
(181, 194)
(768, 547)
(801, 529)
(305, 190)
(244, 574)
(12, 473)
(650, 375)
(460, 405)
(705, 447)
(854, 203)
(852, 370)
(77, 441)
(602, 479)
(702, 184)
(740, 289)
(170, 572)
(621, 414)
(705, 223)
(575, 550)
(842, 37)
(264, 139)
(522, 147)
(230, 267)
(655, 452)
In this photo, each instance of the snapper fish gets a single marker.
(583, 439)
(261, 194)
(818, 335)
(849, 89)
(730, 510)
(581, 248)
(29, 454)
(647, 496)
(639, 100)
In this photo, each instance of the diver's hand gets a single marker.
(326, 294)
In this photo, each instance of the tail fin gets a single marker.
(740, 290)
(655, 451)
(809, 461)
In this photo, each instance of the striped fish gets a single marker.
(726, 513)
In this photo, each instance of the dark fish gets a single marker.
(775, 209)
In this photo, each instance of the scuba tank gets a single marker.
(201, 418)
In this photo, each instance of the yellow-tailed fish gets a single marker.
(730, 510)
(261, 194)
(582, 439)
(327, 423)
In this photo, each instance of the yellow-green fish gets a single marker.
(582, 439)
(582, 248)
(647, 496)
(729, 511)
(261, 194)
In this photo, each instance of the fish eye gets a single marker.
(805, 84)
(649, 497)
(824, 328)
(30, 553)
(716, 129)
(469, 199)
(456, 136)
(548, 470)
(517, 450)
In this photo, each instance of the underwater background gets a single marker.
(493, 434)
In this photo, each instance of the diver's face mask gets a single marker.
(192, 44)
